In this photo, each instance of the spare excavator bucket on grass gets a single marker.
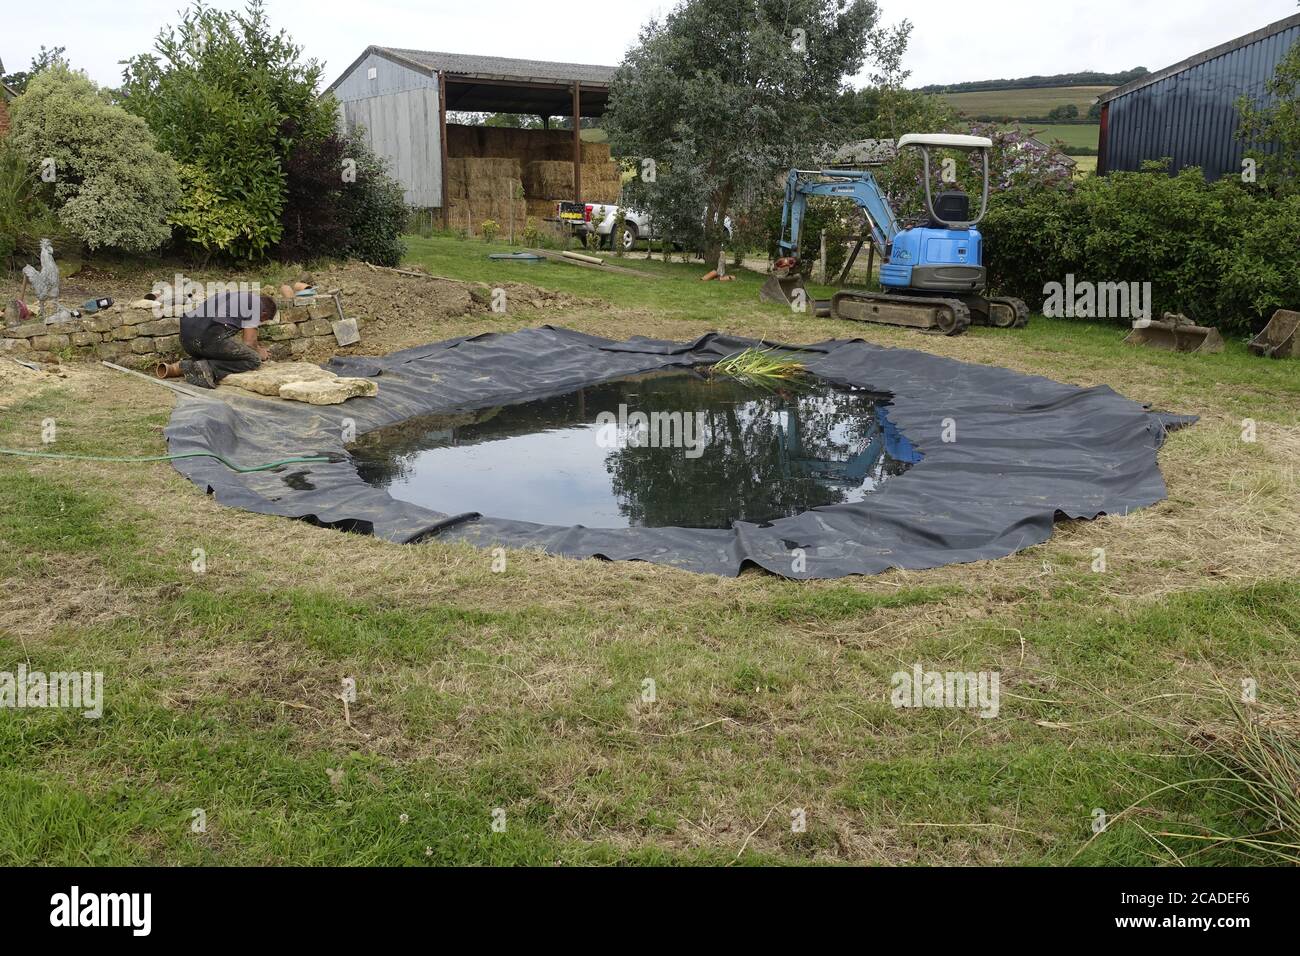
(1177, 333)
(1280, 338)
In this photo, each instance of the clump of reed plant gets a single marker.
(762, 367)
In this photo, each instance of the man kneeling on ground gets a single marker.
(220, 335)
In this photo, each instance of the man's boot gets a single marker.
(198, 372)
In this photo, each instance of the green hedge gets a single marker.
(1222, 253)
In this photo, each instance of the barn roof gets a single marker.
(506, 68)
(504, 84)
(1147, 79)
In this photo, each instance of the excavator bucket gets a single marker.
(1177, 333)
(782, 290)
(1280, 338)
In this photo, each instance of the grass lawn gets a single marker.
(1084, 164)
(516, 696)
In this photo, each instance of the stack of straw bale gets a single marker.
(488, 164)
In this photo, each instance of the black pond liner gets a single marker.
(1026, 450)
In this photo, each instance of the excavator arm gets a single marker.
(855, 184)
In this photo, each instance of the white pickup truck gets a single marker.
(636, 225)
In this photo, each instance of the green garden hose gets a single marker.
(193, 454)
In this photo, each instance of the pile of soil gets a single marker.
(399, 309)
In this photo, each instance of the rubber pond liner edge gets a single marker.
(1026, 450)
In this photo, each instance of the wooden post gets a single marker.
(442, 145)
(821, 263)
(577, 144)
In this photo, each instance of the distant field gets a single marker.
(1086, 164)
(1021, 103)
(1068, 133)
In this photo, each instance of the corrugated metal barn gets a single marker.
(1188, 111)
(401, 97)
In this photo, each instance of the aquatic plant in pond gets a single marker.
(760, 366)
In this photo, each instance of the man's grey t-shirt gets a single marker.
(240, 310)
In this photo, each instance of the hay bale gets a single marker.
(601, 182)
(595, 153)
(548, 178)
(541, 208)
(476, 178)
(470, 214)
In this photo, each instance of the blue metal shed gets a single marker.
(1188, 111)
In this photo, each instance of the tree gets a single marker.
(716, 100)
(230, 96)
(106, 179)
(40, 62)
(1272, 128)
(1066, 112)
(885, 109)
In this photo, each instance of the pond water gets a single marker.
(669, 449)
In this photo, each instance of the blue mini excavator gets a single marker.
(931, 274)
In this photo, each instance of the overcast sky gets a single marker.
(954, 40)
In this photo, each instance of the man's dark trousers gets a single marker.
(218, 350)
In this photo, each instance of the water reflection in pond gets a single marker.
(662, 450)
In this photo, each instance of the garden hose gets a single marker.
(301, 460)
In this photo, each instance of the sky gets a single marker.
(953, 40)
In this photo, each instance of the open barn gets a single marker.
(401, 98)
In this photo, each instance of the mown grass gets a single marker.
(123, 789)
(526, 691)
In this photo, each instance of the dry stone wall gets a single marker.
(140, 336)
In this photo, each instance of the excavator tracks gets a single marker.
(1003, 312)
(936, 315)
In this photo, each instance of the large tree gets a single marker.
(720, 97)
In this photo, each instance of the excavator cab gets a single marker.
(946, 253)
